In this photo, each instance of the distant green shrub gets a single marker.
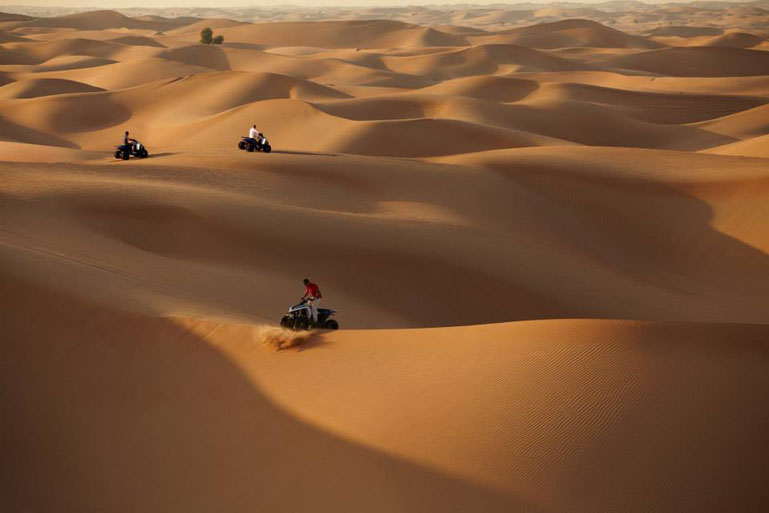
(206, 36)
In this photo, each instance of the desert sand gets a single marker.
(546, 230)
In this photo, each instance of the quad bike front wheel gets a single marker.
(267, 148)
(302, 324)
(331, 324)
(143, 154)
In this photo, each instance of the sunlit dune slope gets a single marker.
(754, 147)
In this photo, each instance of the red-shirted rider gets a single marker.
(312, 291)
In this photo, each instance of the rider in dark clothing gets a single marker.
(128, 141)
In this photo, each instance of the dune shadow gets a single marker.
(119, 412)
(668, 243)
(27, 135)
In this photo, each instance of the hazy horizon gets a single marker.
(101, 4)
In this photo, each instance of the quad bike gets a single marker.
(137, 149)
(251, 144)
(299, 318)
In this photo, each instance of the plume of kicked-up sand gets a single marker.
(280, 338)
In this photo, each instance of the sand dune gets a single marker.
(748, 123)
(754, 147)
(736, 40)
(137, 41)
(480, 60)
(10, 57)
(34, 88)
(101, 20)
(43, 51)
(5, 16)
(395, 138)
(546, 239)
(11, 38)
(193, 29)
(69, 62)
(199, 55)
(237, 88)
(668, 108)
(118, 75)
(10, 131)
(670, 209)
(575, 33)
(152, 399)
(685, 31)
(499, 89)
(345, 34)
(44, 152)
(697, 62)
(68, 113)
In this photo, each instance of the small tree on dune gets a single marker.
(207, 36)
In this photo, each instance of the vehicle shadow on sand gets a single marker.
(311, 153)
(164, 154)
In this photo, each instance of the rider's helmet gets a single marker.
(306, 281)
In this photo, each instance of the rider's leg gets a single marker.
(314, 309)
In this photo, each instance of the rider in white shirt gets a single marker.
(253, 133)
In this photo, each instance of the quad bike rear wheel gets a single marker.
(287, 322)
(250, 147)
(242, 145)
(126, 155)
(118, 154)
